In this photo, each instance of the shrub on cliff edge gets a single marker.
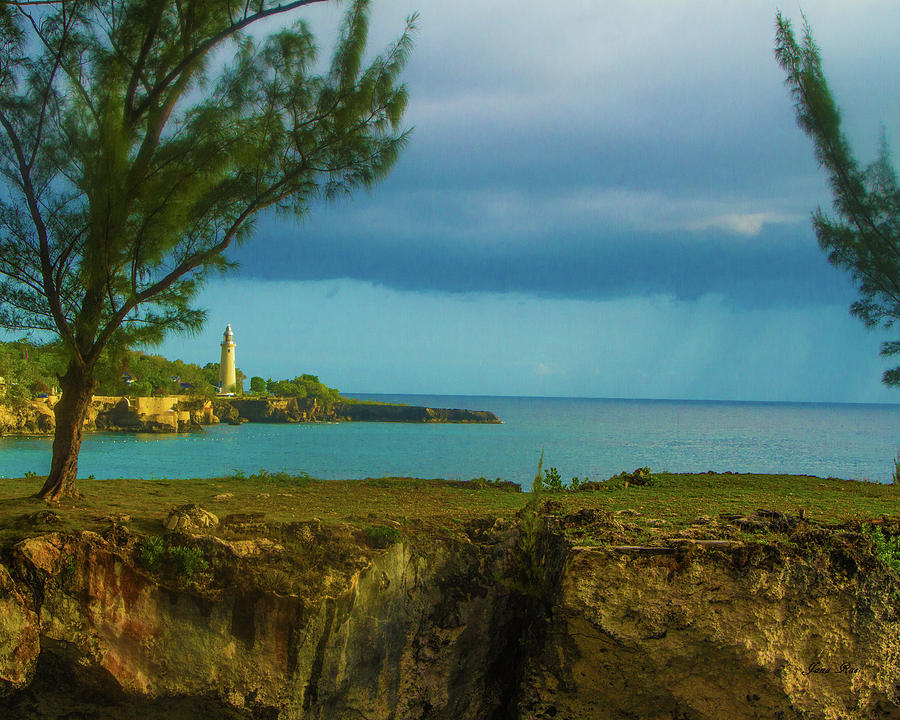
(151, 552)
(382, 537)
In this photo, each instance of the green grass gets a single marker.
(421, 505)
(679, 498)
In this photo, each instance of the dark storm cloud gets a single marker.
(596, 152)
(567, 212)
(780, 265)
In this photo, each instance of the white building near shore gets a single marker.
(227, 370)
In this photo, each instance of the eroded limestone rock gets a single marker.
(315, 626)
(190, 518)
(19, 636)
(716, 631)
(393, 635)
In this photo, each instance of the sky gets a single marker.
(598, 199)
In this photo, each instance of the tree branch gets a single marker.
(204, 47)
(138, 69)
(48, 91)
(49, 288)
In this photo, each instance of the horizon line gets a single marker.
(629, 399)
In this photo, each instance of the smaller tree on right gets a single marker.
(863, 235)
(257, 385)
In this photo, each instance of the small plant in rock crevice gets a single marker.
(151, 552)
(382, 537)
(531, 522)
(184, 561)
(68, 568)
(887, 547)
(187, 561)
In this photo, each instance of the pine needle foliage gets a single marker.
(531, 525)
(863, 236)
(132, 158)
(131, 164)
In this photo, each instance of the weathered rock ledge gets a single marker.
(300, 621)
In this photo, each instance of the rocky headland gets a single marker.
(293, 410)
(759, 616)
(176, 413)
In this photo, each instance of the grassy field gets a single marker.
(673, 501)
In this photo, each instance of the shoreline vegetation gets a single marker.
(139, 392)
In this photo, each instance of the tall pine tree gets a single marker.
(863, 237)
(139, 139)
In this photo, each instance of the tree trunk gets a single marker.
(78, 387)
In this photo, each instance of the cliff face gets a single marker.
(160, 414)
(393, 634)
(729, 632)
(315, 623)
(279, 410)
(34, 418)
(154, 414)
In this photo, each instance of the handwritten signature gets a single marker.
(817, 668)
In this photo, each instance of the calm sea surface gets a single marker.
(585, 437)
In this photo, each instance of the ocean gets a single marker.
(584, 437)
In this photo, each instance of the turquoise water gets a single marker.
(586, 437)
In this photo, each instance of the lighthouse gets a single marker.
(227, 374)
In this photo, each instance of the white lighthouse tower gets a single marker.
(227, 374)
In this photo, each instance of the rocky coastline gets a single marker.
(173, 413)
